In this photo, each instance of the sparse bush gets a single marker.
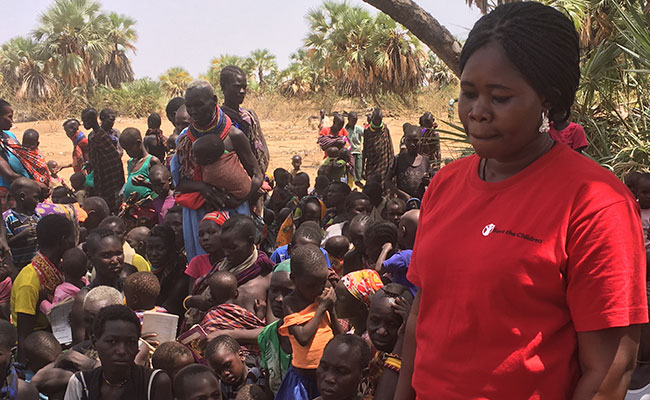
(136, 99)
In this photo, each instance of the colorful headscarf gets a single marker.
(218, 217)
(363, 284)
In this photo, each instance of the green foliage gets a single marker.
(174, 81)
(138, 98)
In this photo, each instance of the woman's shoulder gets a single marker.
(589, 181)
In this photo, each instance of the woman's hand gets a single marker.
(213, 196)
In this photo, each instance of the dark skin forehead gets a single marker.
(281, 279)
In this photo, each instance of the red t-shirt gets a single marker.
(510, 271)
(573, 136)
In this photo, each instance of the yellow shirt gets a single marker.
(24, 297)
(135, 259)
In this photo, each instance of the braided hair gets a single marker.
(540, 41)
(382, 232)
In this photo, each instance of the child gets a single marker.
(226, 358)
(20, 221)
(171, 357)
(157, 146)
(344, 363)
(160, 179)
(196, 381)
(569, 133)
(78, 181)
(356, 258)
(409, 174)
(41, 349)
(393, 210)
(389, 261)
(219, 168)
(31, 157)
(275, 349)
(171, 150)
(137, 239)
(141, 289)
(226, 314)
(296, 162)
(310, 321)
(355, 135)
(10, 384)
(305, 234)
(334, 166)
(55, 179)
(320, 186)
(337, 247)
(281, 194)
(75, 267)
(138, 165)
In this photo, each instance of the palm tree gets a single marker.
(121, 35)
(263, 62)
(174, 81)
(74, 33)
(23, 64)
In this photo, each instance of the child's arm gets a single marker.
(385, 249)
(337, 329)
(305, 333)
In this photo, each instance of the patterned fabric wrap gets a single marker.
(49, 276)
(378, 152)
(247, 122)
(32, 160)
(108, 171)
(220, 125)
(363, 284)
(218, 217)
(230, 316)
(9, 389)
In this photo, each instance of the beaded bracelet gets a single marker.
(393, 355)
(393, 364)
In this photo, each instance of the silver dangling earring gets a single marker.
(545, 127)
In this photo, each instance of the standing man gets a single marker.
(107, 118)
(378, 150)
(105, 161)
(233, 85)
(79, 143)
(355, 133)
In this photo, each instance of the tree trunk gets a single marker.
(424, 27)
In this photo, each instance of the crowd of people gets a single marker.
(196, 273)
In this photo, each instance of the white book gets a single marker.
(163, 324)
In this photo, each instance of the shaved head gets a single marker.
(161, 170)
(408, 226)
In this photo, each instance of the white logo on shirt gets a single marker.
(488, 229)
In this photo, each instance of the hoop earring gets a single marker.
(545, 127)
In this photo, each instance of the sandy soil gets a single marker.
(285, 138)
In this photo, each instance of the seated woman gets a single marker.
(115, 335)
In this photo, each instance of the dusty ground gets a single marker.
(284, 137)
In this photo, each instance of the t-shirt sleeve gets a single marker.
(579, 137)
(26, 287)
(275, 257)
(396, 263)
(192, 269)
(606, 282)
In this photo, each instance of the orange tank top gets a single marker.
(307, 357)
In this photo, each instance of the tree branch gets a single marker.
(424, 27)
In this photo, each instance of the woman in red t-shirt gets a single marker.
(529, 257)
